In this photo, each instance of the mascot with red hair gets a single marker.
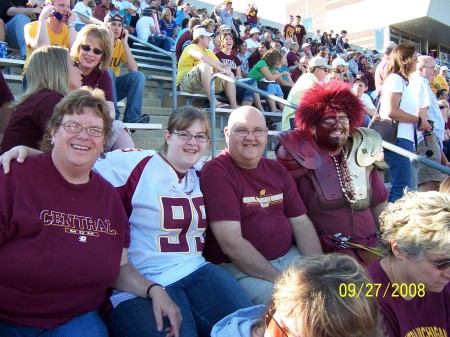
(334, 163)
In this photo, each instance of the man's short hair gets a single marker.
(361, 78)
(343, 31)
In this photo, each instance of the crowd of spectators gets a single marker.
(322, 195)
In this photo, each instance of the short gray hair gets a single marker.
(419, 222)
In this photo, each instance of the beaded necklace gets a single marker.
(345, 178)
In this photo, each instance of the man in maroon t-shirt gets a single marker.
(289, 29)
(300, 31)
(253, 208)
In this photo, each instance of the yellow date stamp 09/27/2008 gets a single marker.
(377, 290)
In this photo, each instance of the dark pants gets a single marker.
(161, 42)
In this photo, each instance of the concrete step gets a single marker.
(151, 102)
(156, 111)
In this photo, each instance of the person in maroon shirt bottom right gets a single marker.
(412, 281)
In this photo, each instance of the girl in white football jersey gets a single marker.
(162, 197)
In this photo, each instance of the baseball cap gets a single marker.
(444, 68)
(113, 16)
(305, 45)
(128, 5)
(224, 27)
(254, 31)
(388, 46)
(200, 31)
(228, 1)
(338, 61)
(147, 11)
(318, 62)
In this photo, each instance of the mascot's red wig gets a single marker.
(322, 98)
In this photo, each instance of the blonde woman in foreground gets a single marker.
(312, 298)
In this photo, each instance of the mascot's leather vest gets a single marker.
(302, 156)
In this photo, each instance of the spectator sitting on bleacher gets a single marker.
(317, 71)
(196, 66)
(185, 37)
(168, 26)
(82, 20)
(340, 66)
(127, 11)
(360, 85)
(253, 41)
(440, 81)
(210, 27)
(92, 52)
(251, 235)
(54, 27)
(131, 85)
(173, 10)
(254, 58)
(262, 72)
(226, 57)
(342, 191)
(300, 69)
(16, 14)
(102, 8)
(242, 50)
(146, 30)
(5, 100)
(306, 50)
(35, 107)
(285, 81)
(292, 56)
(182, 13)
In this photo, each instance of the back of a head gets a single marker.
(47, 69)
(399, 60)
(309, 291)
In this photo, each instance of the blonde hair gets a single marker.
(164, 12)
(310, 291)
(419, 222)
(47, 69)
(100, 35)
(74, 103)
(443, 102)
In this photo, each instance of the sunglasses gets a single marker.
(442, 107)
(87, 47)
(441, 265)
(274, 328)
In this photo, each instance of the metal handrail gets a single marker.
(174, 66)
(239, 84)
(171, 55)
(412, 156)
